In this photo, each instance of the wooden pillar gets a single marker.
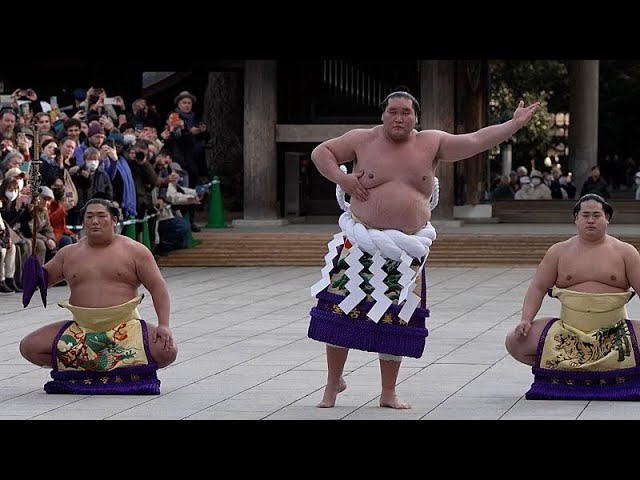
(471, 115)
(260, 153)
(437, 94)
(583, 131)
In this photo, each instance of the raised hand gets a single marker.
(523, 114)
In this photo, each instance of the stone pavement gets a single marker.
(244, 354)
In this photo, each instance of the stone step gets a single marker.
(229, 248)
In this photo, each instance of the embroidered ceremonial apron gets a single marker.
(590, 352)
(391, 334)
(104, 351)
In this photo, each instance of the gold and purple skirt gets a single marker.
(590, 352)
(104, 351)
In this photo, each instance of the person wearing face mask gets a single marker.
(537, 190)
(92, 180)
(23, 193)
(18, 174)
(12, 211)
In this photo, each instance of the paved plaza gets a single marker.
(244, 354)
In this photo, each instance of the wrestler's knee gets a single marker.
(164, 358)
(27, 347)
(516, 344)
(24, 347)
(509, 342)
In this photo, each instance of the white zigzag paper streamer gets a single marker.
(356, 294)
(409, 307)
(408, 276)
(377, 281)
(412, 299)
(317, 287)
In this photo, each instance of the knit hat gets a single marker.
(94, 129)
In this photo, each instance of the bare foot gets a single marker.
(391, 400)
(330, 394)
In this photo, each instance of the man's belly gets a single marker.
(88, 296)
(393, 205)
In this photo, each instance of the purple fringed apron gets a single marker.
(595, 362)
(391, 335)
(104, 351)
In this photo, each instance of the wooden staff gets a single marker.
(34, 186)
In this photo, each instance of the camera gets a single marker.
(5, 240)
(140, 156)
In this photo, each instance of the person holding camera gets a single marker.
(145, 180)
(185, 136)
(172, 227)
(26, 99)
(57, 210)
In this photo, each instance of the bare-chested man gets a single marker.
(390, 186)
(589, 352)
(104, 271)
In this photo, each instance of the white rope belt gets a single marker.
(382, 245)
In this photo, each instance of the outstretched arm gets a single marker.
(458, 147)
(544, 278)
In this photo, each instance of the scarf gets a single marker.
(128, 205)
(189, 119)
